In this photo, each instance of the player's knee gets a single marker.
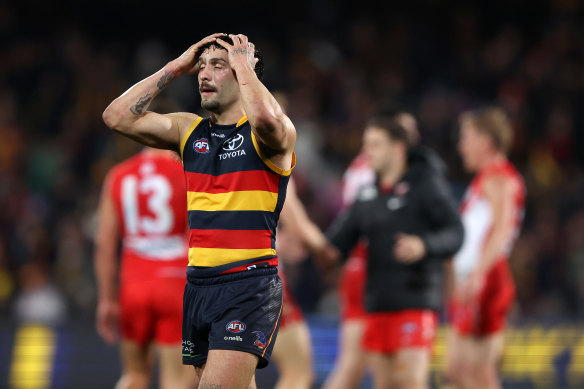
(298, 376)
(410, 380)
(455, 373)
(133, 380)
(483, 376)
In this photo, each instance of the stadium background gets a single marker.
(61, 63)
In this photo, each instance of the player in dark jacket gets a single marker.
(411, 224)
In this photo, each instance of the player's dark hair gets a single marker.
(395, 131)
(259, 67)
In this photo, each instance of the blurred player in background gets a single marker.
(350, 364)
(492, 213)
(296, 233)
(142, 206)
(411, 225)
(293, 349)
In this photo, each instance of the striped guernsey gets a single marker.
(234, 198)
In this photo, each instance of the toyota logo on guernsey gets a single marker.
(234, 143)
(235, 326)
(231, 147)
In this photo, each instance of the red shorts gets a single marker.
(487, 314)
(151, 308)
(389, 332)
(291, 312)
(352, 284)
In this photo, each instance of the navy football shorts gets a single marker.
(238, 311)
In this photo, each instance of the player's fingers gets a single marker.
(235, 39)
(206, 40)
(244, 39)
(221, 42)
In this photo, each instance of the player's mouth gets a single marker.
(206, 90)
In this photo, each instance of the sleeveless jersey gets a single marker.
(148, 192)
(234, 198)
(477, 217)
(357, 175)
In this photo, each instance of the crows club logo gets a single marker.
(201, 145)
(260, 339)
(235, 326)
(233, 143)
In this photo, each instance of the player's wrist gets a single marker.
(243, 68)
(174, 68)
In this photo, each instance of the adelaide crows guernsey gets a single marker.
(234, 198)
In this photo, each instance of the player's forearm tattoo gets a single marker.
(165, 80)
(141, 104)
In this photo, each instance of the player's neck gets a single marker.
(390, 176)
(492, 159)
(229, 116)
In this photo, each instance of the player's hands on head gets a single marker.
(409, 248)
(241, 52)
(107, 319)
(188, 62)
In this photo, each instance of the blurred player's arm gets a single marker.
(447, 235)
(294, 216)
(344, 232)
(128, 113)
(500, 193)
(266, 117)
(106, 266)
(446, 239)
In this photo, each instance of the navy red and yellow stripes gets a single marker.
(234, 197)
(255, 190)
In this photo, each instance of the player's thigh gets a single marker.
(351, 338)
(455, 351)
(410, 367)
(381, 365)
(228, 369)
(486, 350)
(136, 358)
(293, 348)
(173, 374)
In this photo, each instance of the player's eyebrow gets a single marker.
(213, 60)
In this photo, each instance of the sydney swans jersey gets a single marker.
(477, 217)
(234, 198)
(357, 176)
(148, 192)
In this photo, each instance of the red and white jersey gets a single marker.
(149, 195)
(358, 174)
(477, 218)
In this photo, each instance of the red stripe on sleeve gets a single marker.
(230, 182)
(231, 239)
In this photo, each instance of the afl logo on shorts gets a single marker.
(234, 143)
(235, 326)
(201, 145)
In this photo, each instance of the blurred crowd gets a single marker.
(335, 67)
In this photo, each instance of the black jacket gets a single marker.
(419, 204)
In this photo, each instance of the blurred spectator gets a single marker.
(58, 72)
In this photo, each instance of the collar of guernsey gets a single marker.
(234, 196)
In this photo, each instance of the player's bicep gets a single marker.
(280, 136)
(107, 226)
(500, 191)
(161, 131)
